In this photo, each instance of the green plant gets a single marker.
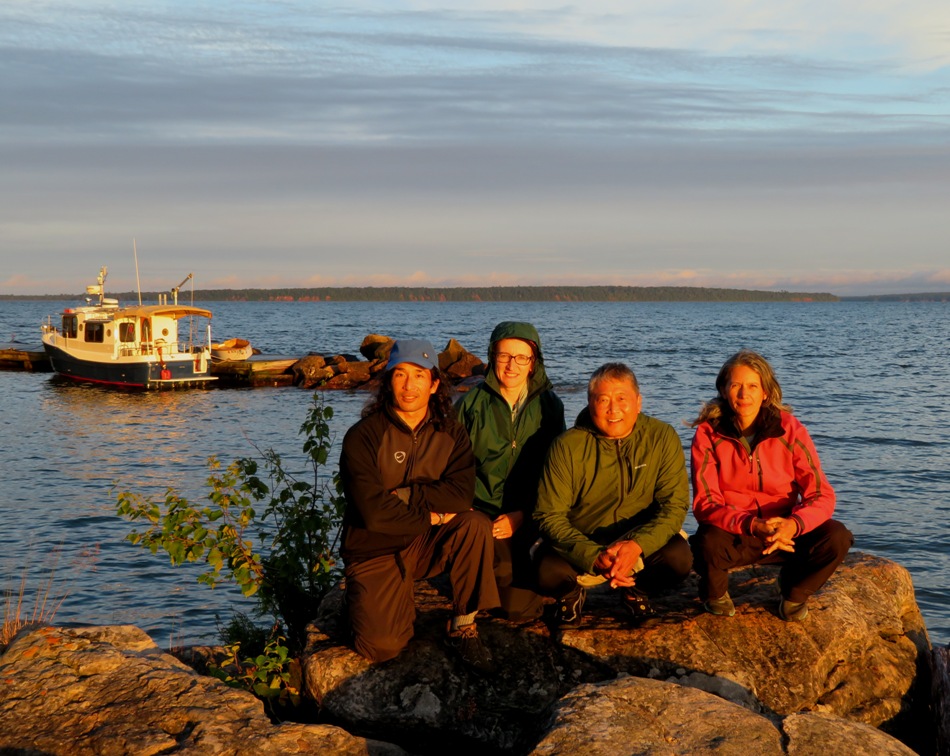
(273, 535)
(272, 675)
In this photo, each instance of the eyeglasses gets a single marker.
(520, 359)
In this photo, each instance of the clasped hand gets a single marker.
(617, 562)
(777, 532)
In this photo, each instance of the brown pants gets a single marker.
(817, 554)
(380, 591)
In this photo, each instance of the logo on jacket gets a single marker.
(400, 456)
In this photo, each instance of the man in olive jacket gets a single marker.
(612, 500)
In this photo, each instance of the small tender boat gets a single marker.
(141, 346)
(231, 350)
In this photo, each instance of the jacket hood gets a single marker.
(512, 329)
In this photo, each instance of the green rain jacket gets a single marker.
(509, 453)
(595, 491)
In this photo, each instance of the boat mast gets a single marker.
(138, 285)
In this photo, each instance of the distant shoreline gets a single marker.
(501, 294)
(471, 294)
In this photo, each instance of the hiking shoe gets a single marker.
(568, 612)
(470, 649)
(637, 605)
(721, 607)
(792, 611)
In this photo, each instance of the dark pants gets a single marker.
(380, 592)
(662, 570)
(817, 554)
(514, 575)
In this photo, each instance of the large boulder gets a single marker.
(642, 716)
(111, 690)
(861, 655)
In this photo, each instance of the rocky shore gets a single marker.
(346, 371)
(858, 676)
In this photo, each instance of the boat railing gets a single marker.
(166, 349)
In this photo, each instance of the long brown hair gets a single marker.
(441, 409)
(718, 406)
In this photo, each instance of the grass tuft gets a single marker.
(16, 616)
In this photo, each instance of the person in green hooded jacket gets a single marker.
(612, 500)
(512, 417)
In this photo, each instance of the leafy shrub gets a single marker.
(275, 535)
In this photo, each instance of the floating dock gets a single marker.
(15, 357)
(259, 370)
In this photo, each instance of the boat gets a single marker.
(139, 346)
(231, 350)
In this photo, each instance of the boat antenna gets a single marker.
(138, 285)
(184, 281)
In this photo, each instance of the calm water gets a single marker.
(870, 380)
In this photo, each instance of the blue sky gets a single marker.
(771, 145)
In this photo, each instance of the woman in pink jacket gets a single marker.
(759, 494)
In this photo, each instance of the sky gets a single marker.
(801, 146)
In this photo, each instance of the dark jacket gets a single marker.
(510, 453)
(393, 477)
(596, 490)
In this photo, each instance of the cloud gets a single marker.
(671, 141)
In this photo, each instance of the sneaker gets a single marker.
(721, 607)
(637, 605)
(470, 649)
(792, 611)
(568, 612)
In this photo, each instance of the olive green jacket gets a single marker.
(595, 491)
(509, 453)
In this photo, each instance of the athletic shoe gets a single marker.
(721, 607)
(568, 612)
(637, 605)
(470, 649)
(792, 611)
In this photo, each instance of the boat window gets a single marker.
(94, 332)
(146, 330)
(126, 331)
(70, 326)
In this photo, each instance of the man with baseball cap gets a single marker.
(408, 475)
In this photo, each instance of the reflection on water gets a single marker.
(869, 380)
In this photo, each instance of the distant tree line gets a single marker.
(479, 294)
(930, 297)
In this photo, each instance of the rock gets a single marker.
(349, 375)
(465, 367)
(426, 690)
(941, 696)
(856, 657)
(376, 347)
(634, 715)
(311, 371)
(452, 353)
(814, 734)
(457, 362)
(111, 690)
(638, 716)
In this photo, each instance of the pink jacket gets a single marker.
(780, 477)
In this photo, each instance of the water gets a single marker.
(870, 381)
